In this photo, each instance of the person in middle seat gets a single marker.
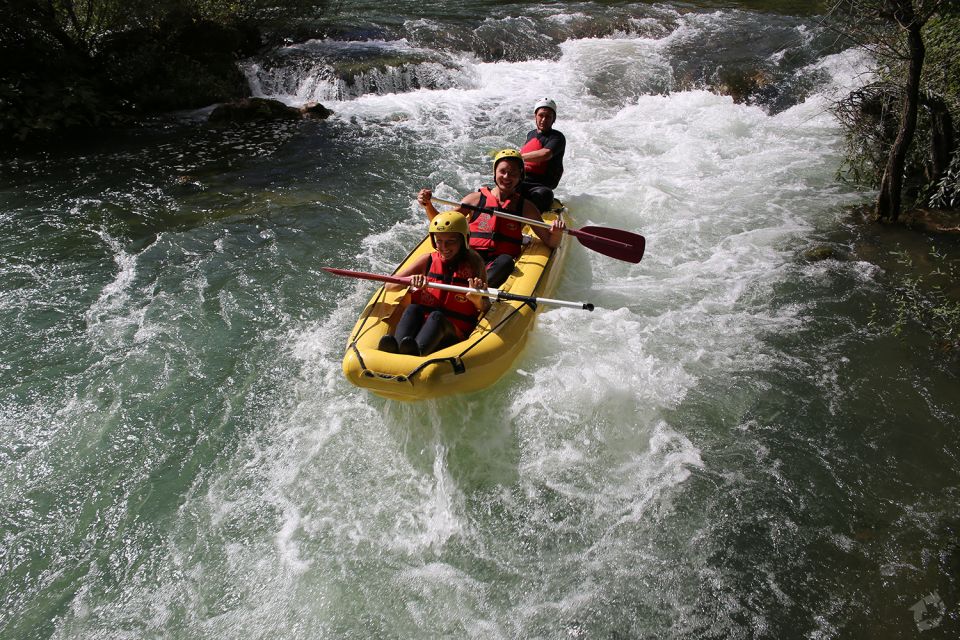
(499, 240)
(436, 318)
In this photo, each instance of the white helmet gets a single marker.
(545, 102)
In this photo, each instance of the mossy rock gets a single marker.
(824, 252)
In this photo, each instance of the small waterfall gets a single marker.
(324, 70)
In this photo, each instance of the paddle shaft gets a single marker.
(536, 223)
(615, 243)
(497, 212)
(495, 294)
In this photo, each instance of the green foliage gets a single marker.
(942, 68)
(871, 115)
(946, 192)
(258, 10)
(35, 109)
(76, 64)
(942, 74)
(925, 300)
(185, 63)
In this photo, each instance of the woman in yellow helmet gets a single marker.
(498, 240)
(436, 318)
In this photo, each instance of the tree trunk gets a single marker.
(891, 185)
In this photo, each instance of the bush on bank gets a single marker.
(871, 116)
(74, 65)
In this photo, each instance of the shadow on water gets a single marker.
(827, 501)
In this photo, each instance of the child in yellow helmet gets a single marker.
(436, 318)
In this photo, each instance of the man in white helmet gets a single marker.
(543, 156)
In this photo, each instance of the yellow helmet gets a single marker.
(507, 154)
(450, 222)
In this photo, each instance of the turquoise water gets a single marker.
(725, 449)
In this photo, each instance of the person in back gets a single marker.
(497, 239)
(543, 156)
(436, 318)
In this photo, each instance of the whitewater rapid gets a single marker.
(360, 498)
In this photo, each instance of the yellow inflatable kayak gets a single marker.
(470, 365)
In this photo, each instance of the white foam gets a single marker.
(112, 318)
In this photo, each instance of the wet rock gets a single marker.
(315, 111)
(265, 109)
(741, 84)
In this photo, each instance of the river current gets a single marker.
(726, 448)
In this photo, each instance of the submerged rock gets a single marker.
(824, 252)
(741, 84)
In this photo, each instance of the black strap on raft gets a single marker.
(456, 362)
(492, 235)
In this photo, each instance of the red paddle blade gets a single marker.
(366, 275)
(616, 243)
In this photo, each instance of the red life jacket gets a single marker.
(537, 168)
(454, 304)
(492, 235)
